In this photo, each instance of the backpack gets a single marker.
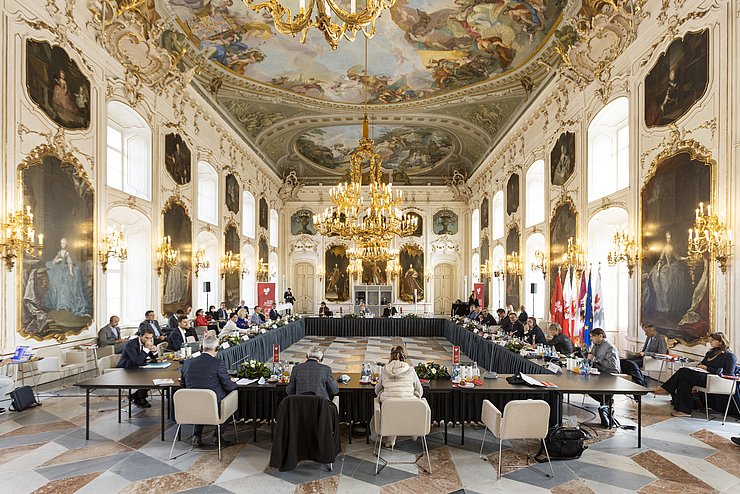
(23, 398)
(563, 443)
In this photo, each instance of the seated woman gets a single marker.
(398, 379)
(362, 310)
(242, 322)
(200, 318)
(718, 360)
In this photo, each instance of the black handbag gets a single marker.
(23, 398)
(563, 443)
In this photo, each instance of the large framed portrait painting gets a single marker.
(411, 258)
(177, 289)
(675, 288)
(232, 280)
(563, 226)
(512, 194)
(337, 279)
(177, 159)
(563, 158)
(232, 193)
(57, 286)
(513, 281)
(56, 84)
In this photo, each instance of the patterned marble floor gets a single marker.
(43, 450)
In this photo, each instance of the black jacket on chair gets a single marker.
(307, 429)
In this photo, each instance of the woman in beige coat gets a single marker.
(398, 379)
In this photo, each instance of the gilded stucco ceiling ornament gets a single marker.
(676, 140)
(290, 186)
(132, 32)
(59, 143)
(458, 184)
(304, 244)
(590, 42)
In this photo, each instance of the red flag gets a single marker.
(557, 306)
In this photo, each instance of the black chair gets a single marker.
(307, 429)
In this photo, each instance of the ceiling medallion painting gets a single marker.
(407, 149)
(430, 47)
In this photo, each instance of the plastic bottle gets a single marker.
(476, 371)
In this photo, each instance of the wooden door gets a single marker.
(444, 288)
(304, 286)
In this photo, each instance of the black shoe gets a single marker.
(142, 403)
(735, 440)
(606, 417)
(197, 440)
(224, 442)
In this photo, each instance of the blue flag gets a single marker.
(588, 320)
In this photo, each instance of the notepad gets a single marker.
(163, 382)
(156, 365)
(245, 382)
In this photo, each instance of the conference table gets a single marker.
(449, 403)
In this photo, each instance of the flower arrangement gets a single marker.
(471, 325)
(514, 345)
(292, 318)
(232, 339)
(251, 369)
(432, 370)
(412, 316)
(458, 319)
(350, 315)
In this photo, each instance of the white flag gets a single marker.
(598, 303)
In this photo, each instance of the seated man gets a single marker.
(207, 372)
(222, 314)
(515, 327)
(174, 319)
(389, 310)
(138, 352)
(230, 325)
(485, 318)
(150, 321)
(255, 319)
(110, 335)
(501, 316)
(535, 335)
(312, 377)
(274, 314)
(324, 311)
(178, 336)
(473, 314)
(654, 344)
(562, 343)
(605, 358)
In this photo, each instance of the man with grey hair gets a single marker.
(207, 372)
(313, 377)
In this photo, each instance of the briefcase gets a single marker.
(23, 398)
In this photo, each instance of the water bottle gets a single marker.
(586, 368)
(476, 371)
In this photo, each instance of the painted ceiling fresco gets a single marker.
(470, 53)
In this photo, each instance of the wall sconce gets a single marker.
(710, 235)
(498, 270)
(320, 273)
(486, 270)
(166, 255)
(428, 276)
(355, 268)
(540, 263)
(393, 269)
(513, 264)
(574, 257)
(230, 263)
(262, 271)
(624, 249)
(19, 235)
(113, 246)
(200, 261)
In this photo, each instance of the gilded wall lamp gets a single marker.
(113, 246)
(574, 257)
(624, 249)
(486, 270)
(540, 263)
(513, 264)
(18, 235)
(710, 235)
(166, 255)
(230, 263)
(200, 261)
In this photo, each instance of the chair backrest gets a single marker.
(190, 339)
(50, 351)
(718, 385)
(75, 357)
(108, 362)
(525, 419)
(196, 406)
(405, 417)
(105, 351)
(200, 331)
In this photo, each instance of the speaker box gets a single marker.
(207, 286)
(533, 288)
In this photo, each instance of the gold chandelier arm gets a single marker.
(301, 22)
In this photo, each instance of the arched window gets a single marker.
(208, 242)
(207, 193)
(475, 228)
(129, 155)
(498, 293)
(497, 226)
(534, 193)
(476, 268)
(248, 214)
(128, 285)
(534, 243)
(274, 269)
(614, 280)
(608, 150)
(274, 234)
(249, 283)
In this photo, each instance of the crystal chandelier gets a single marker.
(18, 235)
(355, 268)
(513, 264)
(230, 263)
(710, 235)
(624, 249)
(321, 14)
(113, 245)
(574, 257)
(393, 269)
(166, 255)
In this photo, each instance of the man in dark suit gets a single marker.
(312, 377)
(136, 353)
(389, 310)
(172, 322)
(178, 336)
(501, 316)
(222, 314)
(274, 314)
(288, 298)
(654, 344)
(485, 318)
(324, 311)
(150, 321)
(535, 335)
(110, 335)
(515, 327)
(523, 316)
(207, 372)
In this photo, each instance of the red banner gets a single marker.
(455, 355)
(265, 294)
(275, 353)
(480, 293)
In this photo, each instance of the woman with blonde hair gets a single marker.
(398, 379)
